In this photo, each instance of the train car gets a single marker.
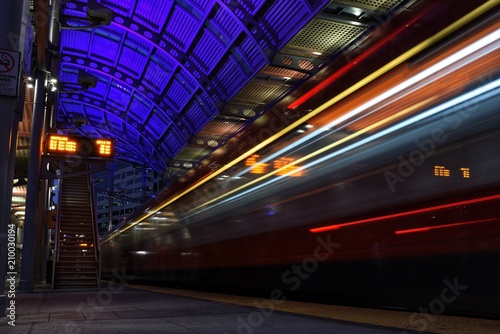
(389, 197)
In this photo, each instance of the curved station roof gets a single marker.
(171, 81)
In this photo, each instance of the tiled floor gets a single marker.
(140, 309)
(406, 321)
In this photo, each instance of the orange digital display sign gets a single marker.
(447, 172)
(284, 166)
(62, 144)
(104, 146)
(81, 146)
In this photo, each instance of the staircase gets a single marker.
(76, 263)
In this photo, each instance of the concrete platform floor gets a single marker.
(119, 309)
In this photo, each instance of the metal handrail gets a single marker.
(97, 246)
(58, 226)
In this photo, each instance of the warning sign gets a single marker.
(9, 72)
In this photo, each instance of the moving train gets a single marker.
(386, 197)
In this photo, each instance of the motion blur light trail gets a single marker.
(432, 122)
(403, 214)
(462, 58)
(480, 93)
(352, 64)
(430, 228)
(385, 69)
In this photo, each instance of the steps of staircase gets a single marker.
(88, 266)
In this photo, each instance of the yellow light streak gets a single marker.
(322, 150)
(360, 84)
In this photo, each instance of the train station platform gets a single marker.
(145, 309)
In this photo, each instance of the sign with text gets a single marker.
(9, 72)
(80, 146)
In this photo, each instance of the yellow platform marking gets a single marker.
(396, 319)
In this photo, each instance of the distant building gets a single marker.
(132, 186)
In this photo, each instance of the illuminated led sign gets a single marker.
(465, 172)
(446, 172)
(80, 146)
(441, 171)
(62, 144)
(283, 165)
(257, 168)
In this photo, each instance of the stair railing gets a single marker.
(58, 224)
(97, 246)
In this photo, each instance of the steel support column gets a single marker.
(31, 223)
(10, 39)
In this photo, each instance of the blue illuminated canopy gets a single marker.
(175, 79)
(167, 68)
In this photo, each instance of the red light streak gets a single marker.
(333, 77)
(402, 214)
(425, 229)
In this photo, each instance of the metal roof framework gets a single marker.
(176, 79)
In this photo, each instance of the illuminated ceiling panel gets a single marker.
(181, 28)
(76, 42)
(207, 52)
(94, 114)
(139, 109)
(156, 77)
(152, 13)
(225, 26)
(123, 7)
(157, 126)
(105, 49)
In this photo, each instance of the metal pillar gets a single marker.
(6, 108)
(10, 38)
(26, 283)
(144, 182)
(111, 194)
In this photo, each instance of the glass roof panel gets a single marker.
(95, 113)
(187, 80)
(157, 126)
(73, 108)
(181, 28)
(68, 75)
(156, 77)
(178, 94)
(283, 24)
(100, 90)
(104, 49)
(173, 142)
(196, 117)
(152, 13)
(120, 6)
(139, 109)
(132, 62)
(209, 51)
(139, 43)
(132, 134)
(252, 53)
(199, 4)
(114, 121)
(254, 5)
(161, 57)
(118, 97)
(76, 42)
(231, 76)
(227, 23)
